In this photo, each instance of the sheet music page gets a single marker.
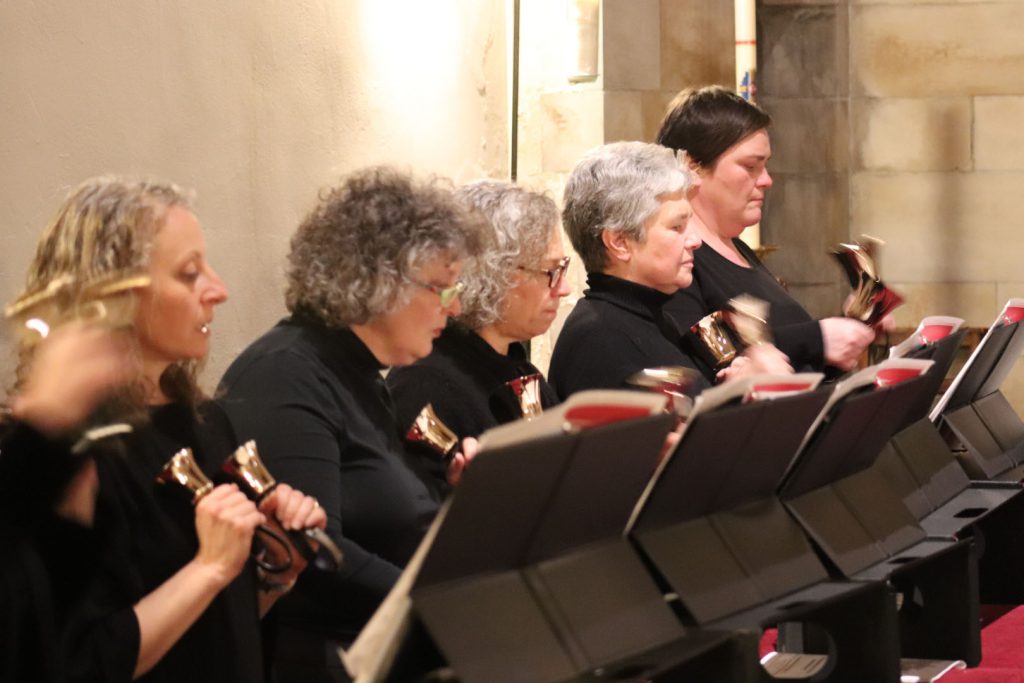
(790, 665)
(559, 419)
(941, 404)
(372, 653)
(918, 338)
(925, 670)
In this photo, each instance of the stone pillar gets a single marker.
(650, 49)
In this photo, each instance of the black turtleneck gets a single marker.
(617, 329)
(314, 400)
(464, 380)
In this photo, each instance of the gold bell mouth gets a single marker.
(427, 428)
(527, 392)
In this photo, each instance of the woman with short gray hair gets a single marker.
(627, 213)
(373, 276)
(513, 289)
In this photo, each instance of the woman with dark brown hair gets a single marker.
(726, 140)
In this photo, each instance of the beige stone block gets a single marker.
(805, 216)
(572, 123)
(697, 44)
(808, 134)
(999, 133)
(821, 301)
(975, 302)
(653, 106)
(927, 50)
(1006, 291)
(623, 116)
(944, 227)
(926, 134)
(802, 51)
(632, 44)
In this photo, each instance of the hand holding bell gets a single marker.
(245, 467)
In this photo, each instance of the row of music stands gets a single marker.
(546, 568)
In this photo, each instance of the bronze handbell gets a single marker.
(674, 381)
(527, 392)
(719, 337)
(183, 471)
(428, 429)
(871, 300)
(108, 300)
(245, 467)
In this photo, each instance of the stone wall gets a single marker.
(902, 120)
(256, 104)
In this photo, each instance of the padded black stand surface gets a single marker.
(866, 532)
(712, 528)
(531, 579)
(924, 473)
(986, 432)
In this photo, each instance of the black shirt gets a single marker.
(147, 533)
(315, 402)
(464, 380)
(617, 329)
(716, 280)
(47, 560)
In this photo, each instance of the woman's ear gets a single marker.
(617, 245)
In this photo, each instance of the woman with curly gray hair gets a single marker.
(373, 275)
(512, 294)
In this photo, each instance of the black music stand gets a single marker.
(712, 528)
(919, 466)
(865, 532)
(985, 432)
(531, 579)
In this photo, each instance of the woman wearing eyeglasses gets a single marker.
(512, 294)
(373, 275)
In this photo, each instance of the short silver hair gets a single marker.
(616, 187)
(355, 255)
(521, 222)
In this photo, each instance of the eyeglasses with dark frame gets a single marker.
(447, 294)
(555, 274)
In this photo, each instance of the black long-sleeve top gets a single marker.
(146, 534)
(617, 329)
(716, 280)
(315, 402)
(464, 380)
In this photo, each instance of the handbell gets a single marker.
(674, 381)
(427, 428)
(871, 299)
(245, 467)
(527, 392)
(107, 300)
(714, 341)
(182, 470)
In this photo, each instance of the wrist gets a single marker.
(211, 574)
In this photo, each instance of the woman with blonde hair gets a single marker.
(176, 596)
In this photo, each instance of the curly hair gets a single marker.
(104, 226)
(353, 256)
(616, 187)
(708, 121)
(521, 222)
